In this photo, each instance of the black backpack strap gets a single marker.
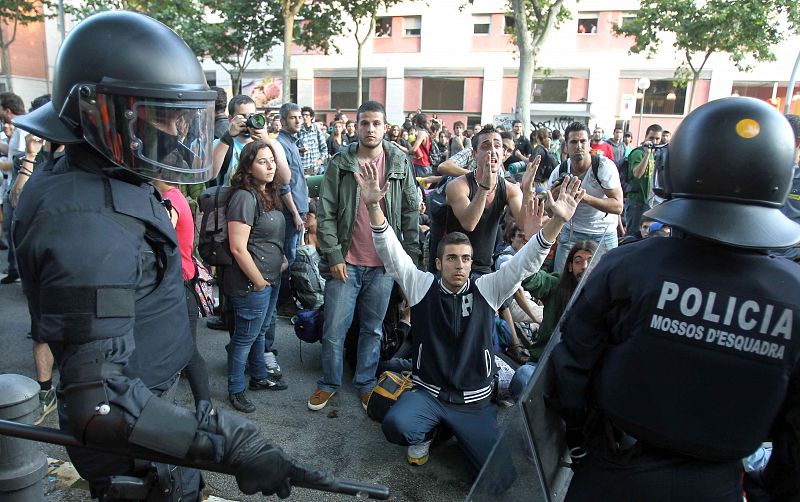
(226, 164)
(596, 169)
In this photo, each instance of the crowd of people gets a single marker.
(482, 234)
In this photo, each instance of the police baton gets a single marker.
(54, 436)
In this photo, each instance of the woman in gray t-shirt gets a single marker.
(256, 229)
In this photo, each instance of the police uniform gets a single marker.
(670, 377)
(101, 268)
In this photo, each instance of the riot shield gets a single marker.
(530, 460)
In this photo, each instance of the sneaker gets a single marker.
(241, 403)
(267, 384)
(11, 278)
(273, 369)
(47, 403)
(365, 399)
(417, 454)
(319, 399)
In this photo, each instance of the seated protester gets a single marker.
(542, 149)
(555, 290)
(523, 308)
(452, 320)
(512, 164)
(310, 225)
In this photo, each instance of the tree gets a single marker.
(319, 22)
(360, 11)
(14, 13)
(745, 30)
(533, 20)
(232, 33)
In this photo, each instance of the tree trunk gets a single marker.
(5, 58)
(288, 37)
(526, 65)
(359, 73)
(695, 78)
(236, 81)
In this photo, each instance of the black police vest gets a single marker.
(703, 344)
(160, 322)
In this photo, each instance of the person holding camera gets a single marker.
(245, 125)
(597, 216)
(641, 163)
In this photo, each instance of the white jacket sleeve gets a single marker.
(414, 282)
(498, 286)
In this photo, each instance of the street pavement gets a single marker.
(340, 437)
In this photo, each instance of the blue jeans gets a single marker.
(272, 316)
(520, 380)
(568, 238)
(247, 343)
(367, 289)
(633, 215)
(291, 239)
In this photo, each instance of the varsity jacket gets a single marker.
(452, 332)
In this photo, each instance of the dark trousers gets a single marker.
(196, 371)
(655, 475)
(97, 467)
(415, 415)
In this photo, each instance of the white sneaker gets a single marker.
(417, 454)
(273, 369)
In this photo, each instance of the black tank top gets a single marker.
(485, 234)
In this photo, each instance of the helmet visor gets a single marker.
(162, 139)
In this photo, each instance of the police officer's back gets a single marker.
(670, 377)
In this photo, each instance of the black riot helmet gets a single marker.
(728, 172)
(132, 89)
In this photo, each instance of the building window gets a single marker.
(627, 17)
(383, 27)
(481, 24)
(443, 94)
(343, 92)
(551, 90)
(658, 99)
(412, 26)
(508, 28)
(587, 22)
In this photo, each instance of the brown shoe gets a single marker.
(319, 399)
(365, 399)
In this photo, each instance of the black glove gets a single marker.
(260, 467)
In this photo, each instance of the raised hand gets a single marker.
(530, 175)
(367, 180)
(570, 194)
(533, 217)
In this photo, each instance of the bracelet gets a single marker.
(227, 138)
(28, 161)
(485, 188)
(26, 173)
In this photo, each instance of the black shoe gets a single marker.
(241, 403)
(267, 384)
(11, 278)
(288, 309)
(217, 323)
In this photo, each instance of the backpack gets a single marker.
(308, 324)
(623, 172)
(437, 203)
(562, 169)
(434, 155)
(212, 225)
(307, 282)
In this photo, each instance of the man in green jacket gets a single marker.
(354, 273)
(640, 180)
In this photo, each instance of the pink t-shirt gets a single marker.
(184, 229)
(362, 249)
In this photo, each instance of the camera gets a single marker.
(560, 180)
(653, 146)
(254, 121)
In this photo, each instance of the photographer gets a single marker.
(641, 164)
(245, 126)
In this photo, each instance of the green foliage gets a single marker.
(746, 30)
(21, 12)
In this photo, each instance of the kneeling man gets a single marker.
(452, 321)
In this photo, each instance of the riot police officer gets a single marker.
(668, 379)
(101, 267)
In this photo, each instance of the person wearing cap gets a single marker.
(668, 374)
